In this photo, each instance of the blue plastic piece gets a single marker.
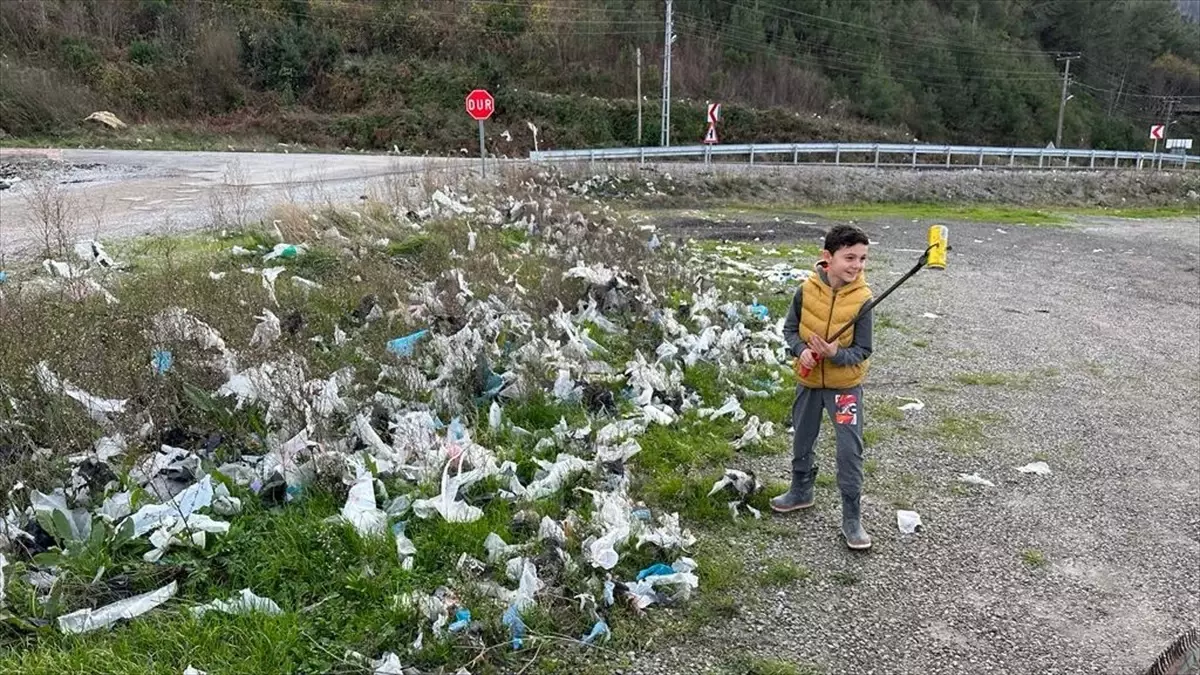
(598, 630)
(759, 311)
(457, 431)
(403, 346)
(3, 276)
(516, 626)
(463, 619)
(162, 361)
(655, 570)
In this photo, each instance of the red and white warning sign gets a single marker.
(710, 136)
(714, 113)
(1156, 132)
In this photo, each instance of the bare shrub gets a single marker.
(54, 212)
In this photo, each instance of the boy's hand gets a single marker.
(807, 359)
(824, 349)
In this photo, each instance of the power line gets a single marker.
(887, 33)
(859, 67)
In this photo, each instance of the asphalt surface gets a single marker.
(1095, 330)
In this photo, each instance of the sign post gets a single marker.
(713, 115)
(480, 106)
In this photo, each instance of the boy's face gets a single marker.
(845, 264)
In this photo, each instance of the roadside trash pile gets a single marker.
(465, 348)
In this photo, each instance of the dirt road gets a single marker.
(124, 192)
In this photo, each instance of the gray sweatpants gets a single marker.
(845, 409)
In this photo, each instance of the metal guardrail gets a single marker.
(885, 155)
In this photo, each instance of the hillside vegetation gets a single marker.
(384, 73)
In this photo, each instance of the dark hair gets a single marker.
(842, 236)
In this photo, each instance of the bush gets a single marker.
(144, 53)
(78, 55)
(35, 101)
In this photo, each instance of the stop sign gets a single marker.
(480, 104)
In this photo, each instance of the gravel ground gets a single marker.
(1097, 325)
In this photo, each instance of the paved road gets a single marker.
(124, 192)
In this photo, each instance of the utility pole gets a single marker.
(639, 95)
(1062, 103)
(668, 38)
(1170, 109)
(1166, 128)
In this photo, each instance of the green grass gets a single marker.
(754, 665)
(1034, 558)
(782, 573)
(1141, 212)
(984, 213)
(963, 434)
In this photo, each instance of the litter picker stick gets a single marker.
(936, 251)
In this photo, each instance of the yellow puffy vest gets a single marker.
(822, 312)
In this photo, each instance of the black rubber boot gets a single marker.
(799, 495)
(852, 529)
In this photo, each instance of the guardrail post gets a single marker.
(1066, 159)
(1092, 163)
(876, 155)
(795, 154)
(1041, 156)
(1116, 160)
(1012, 157)
(641, 155)
(914, 155)
(837, 153)
(1139, 161)
(947, 156)
(981, 158)
(752, 155)
(592, 157)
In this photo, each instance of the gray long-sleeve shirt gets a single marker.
(858, 351)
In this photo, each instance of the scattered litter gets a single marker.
(913, 405)
(192, 671)
(975, 479)
(285, 251)
(462, 619)
(670, 535)
(655, 569)
(931, 315)
(516, 626)
(600, 630)
(389, 664)
(403, 346)
(360, 510)
(86, 620)
(754, 433)
(744, 484)
(267, 331)
(97, 408)
(1040, 468)
(246, 603)
(908, 521)
(405, 548)
(269, 275)
(161, 360)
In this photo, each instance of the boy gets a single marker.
(826, 301)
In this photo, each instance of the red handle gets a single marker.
(805, 371)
